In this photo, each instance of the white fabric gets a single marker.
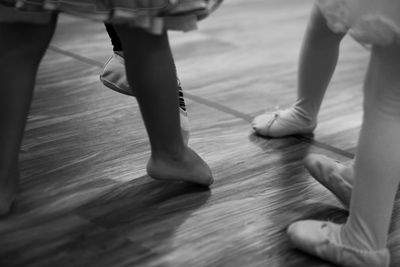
(374, 22)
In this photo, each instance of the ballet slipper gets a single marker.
(323, 240)
(114, 77)
(334, 176)
(283, 123)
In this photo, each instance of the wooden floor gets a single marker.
(85, 198)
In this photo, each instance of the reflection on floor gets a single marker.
(85, 198)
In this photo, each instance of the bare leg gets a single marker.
(318, 60)
(21, 48)
(114, 77)
(150, 67)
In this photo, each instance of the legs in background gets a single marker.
(362, 240)
(318, 60)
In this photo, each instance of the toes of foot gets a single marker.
(260, 121)
(207, 182)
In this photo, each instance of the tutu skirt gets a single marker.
(153, 15)
(375, 22)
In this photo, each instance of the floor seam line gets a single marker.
(211, 104)
(249, 118)
(83, 59)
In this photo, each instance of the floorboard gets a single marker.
(85, 198)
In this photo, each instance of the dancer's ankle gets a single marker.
(355, 238)
(304, 113)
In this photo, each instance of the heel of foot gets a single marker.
(8, 192)
(190, 168)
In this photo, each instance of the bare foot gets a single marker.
(336, 177)
(8, 189)
(188, 167)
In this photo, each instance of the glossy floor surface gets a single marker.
(85, 199)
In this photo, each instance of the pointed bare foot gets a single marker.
(336, 177)
(188, 167)
(8, 189)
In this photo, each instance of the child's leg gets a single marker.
(150, 67)
(362, 240)
(21, 48)
(114, 77)
(377, 165)
(318, 60)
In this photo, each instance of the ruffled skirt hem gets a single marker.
(375, 26)
(154, 16)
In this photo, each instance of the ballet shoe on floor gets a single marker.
(283, 123)
(322, 239)
(333, 175)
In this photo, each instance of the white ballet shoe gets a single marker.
(283, 123)
(114, 77)
(322, 239)
(333, 175)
